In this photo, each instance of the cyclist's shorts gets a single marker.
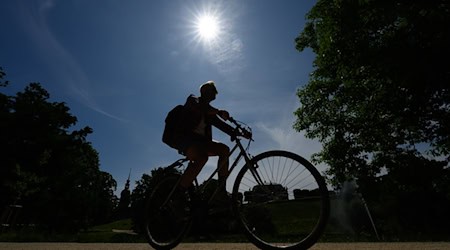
(190, 140)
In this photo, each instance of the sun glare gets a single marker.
(207, 27)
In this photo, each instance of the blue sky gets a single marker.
(122, 65)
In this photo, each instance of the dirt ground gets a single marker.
(216, 246)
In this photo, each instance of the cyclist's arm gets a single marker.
(223, 126)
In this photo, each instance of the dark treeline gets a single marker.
(49, 171)
(379, 102)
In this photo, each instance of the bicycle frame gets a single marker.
(242, 154)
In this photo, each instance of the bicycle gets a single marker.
(279, 198)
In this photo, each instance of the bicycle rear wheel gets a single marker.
(281, 201)
(167, 214)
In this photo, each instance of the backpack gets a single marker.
(176, 126)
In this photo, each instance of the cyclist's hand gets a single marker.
(224, 114)
(247, 134)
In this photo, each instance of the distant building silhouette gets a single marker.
(267, 192)
(123, 209)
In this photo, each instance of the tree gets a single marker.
(379, 96)
(380, 84)
(53, 172)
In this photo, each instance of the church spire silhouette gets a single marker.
(123, 209)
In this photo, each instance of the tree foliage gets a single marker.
(49, 170)
(379, 102)
(380, 87)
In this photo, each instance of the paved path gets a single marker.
(216, 246)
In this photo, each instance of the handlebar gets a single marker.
(241, 131)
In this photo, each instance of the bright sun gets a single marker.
(207, 27)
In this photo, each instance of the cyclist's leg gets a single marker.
(219, 149)
(198, 155)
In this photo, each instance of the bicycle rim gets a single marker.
(283, 203)
(167, 219)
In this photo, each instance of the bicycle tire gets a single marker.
(166, 224)
(272, 216)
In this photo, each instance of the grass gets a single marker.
(120, 224)
(100, 233)
(31, 235)
(105, 233)
(336, 231)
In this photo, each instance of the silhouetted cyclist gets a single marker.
(198, 144)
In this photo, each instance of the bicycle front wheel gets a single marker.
(167, 214)
(281, 201)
